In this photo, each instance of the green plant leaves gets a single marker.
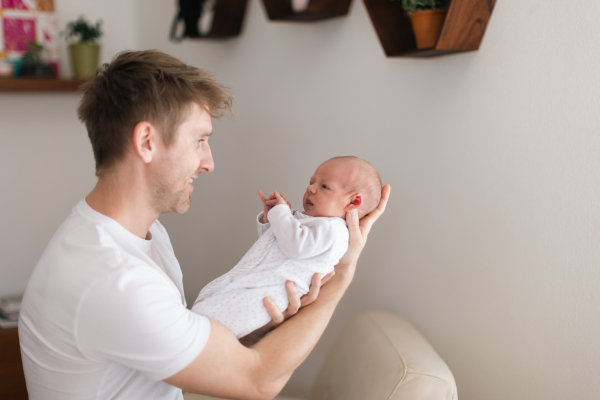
(83, 31)
(417, 5)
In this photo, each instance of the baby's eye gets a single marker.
(324, 186)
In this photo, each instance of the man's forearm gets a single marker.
(285, 348)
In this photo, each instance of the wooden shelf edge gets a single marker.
(14, 85)
(318, 10)
(426, 53)
(462, 31)
(306, 17)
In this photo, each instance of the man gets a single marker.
(104, 316)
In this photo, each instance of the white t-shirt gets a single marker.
(104, 316)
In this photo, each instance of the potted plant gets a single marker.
(84, 48)
(427, 17)
(33, 63)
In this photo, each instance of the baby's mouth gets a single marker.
(308, 202)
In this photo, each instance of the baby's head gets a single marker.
(342, 184)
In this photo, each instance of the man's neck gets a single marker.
(127, 200)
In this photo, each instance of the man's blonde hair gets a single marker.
(141, 86)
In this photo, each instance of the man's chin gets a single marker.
(183, 207)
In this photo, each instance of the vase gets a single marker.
(427, 25)
(84, 59)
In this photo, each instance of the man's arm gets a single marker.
(225, 368)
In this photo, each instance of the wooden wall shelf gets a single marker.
(228, 19)
(462, 31)
(39, 85)
(281, 10)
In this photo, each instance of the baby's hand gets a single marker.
(280, 199)
(268, 203)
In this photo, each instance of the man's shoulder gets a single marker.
(85, 245)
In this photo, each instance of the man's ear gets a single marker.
(145, 140)
(356, 200)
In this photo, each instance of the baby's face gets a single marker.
(326, 195)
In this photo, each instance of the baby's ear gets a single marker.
(356, 200)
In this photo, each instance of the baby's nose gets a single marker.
(311, 188)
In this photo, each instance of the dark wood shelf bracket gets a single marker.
(318, 10)
(463, 27)
(228, 19)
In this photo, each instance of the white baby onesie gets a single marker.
(292, 246)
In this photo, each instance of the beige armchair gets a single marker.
(380, 356)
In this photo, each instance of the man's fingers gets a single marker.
(273, 310)
(315, 287)
(367, 222)
(293, 297)
(327, 277)
(353, 224)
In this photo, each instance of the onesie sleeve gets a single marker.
(262, 228)
(300, 240)
(136, 318)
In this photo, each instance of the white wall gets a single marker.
(490, 241)
(46, 162)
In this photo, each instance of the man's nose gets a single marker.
(207, 164)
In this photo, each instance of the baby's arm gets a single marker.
(297, 240)
(271, 202)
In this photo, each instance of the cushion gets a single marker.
(381, 356)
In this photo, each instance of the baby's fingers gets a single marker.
(280, 199)
(262, 196)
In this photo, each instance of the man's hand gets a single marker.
(296, 303)
(359, 230)
(268, 203)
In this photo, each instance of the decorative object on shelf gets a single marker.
(212, 19)
(6, 69)
(85, 51)
(427, 17)
(9, 312)
(34, 64)
(306, 10)
(462, 29)
(24, 21)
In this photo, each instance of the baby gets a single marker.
(292, 245)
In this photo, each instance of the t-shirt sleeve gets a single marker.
(136, 318)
